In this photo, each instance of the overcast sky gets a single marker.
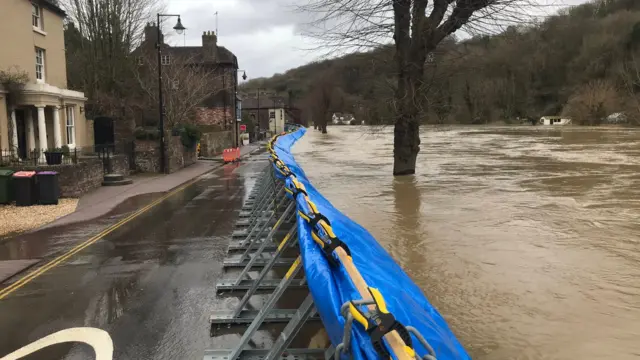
(264, 34)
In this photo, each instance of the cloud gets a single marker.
(264, 34)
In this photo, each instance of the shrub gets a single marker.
(190, 135)
(146, 133)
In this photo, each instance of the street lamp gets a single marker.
(179, 28)
(238, 116)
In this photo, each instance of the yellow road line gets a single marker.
(55, 262)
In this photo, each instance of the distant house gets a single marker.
(554, 120)
(43, 114)
(617, 118)
(219, 109)
(270, 112)
(342, 119)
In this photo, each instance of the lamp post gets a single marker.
(259, 129)
(179, 29)
(236, 127)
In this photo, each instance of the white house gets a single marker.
(554, 120)
(342, 118)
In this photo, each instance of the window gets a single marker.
(140, 60)
(36, 16)
(165, 60)
(39, 65)
(71, 122)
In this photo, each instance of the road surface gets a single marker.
(149, 282)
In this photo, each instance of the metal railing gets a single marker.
(49, 157)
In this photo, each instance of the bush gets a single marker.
(190, 135)
(146, 133)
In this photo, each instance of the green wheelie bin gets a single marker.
(6, 189)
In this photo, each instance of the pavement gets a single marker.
(106, 198)
(146, 277)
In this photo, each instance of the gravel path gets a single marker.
(22, 218)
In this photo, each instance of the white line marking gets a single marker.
(98, 339)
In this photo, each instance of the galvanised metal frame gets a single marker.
(251, 250)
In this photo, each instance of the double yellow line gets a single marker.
(60, 259)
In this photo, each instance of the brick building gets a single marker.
(218, 111)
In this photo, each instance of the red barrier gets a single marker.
(231, 155)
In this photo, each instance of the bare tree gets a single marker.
(593, 102)
(416, 27)
(99, 39)
(630, 74)
(187, 86)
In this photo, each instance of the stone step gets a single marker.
(115, 180)
(113, 177)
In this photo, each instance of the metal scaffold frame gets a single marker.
(266, 211)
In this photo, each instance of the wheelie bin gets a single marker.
(48, 187)
(25, 190)
(6, 190)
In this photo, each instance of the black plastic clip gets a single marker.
(378, 322)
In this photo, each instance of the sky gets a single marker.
(265, 35)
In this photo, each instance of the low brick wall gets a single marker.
(76, 179)
(147, 155)
(212, 144)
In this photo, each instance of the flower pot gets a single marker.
(53, 158)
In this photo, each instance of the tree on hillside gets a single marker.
(593, 102)
(416, 27)
(325, 99)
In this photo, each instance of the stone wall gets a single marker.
(178, 156)
(120, 164)
(147, 155)
(75, 180)
(212, 144)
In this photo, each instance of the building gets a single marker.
(218, 110)
(42, 114)
(268, 110)
(342, 119)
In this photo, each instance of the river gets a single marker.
(526, 239)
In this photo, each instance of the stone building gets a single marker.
(218, 111)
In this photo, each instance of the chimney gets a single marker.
(210, 43)
(151, 33)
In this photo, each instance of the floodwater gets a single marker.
(526, 239)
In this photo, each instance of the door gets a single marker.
(103, 133)
(22, 134)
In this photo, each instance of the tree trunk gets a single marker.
(324, 128)
(409, 58)
(406, 143)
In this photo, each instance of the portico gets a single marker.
(45, 117)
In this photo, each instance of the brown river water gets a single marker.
(526, 239)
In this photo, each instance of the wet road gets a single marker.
(526, 239)
(150, 283)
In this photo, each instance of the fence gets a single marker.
(44, 157)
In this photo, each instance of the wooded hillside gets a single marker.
(583, 62)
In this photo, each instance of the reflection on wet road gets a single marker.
(150, 283)
(526, 239)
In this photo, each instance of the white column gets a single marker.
(57, 137)
(31, 130)
(42, 130)
(14, 133)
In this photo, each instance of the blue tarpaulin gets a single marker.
(331, 286)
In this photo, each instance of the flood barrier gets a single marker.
(368, 306)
